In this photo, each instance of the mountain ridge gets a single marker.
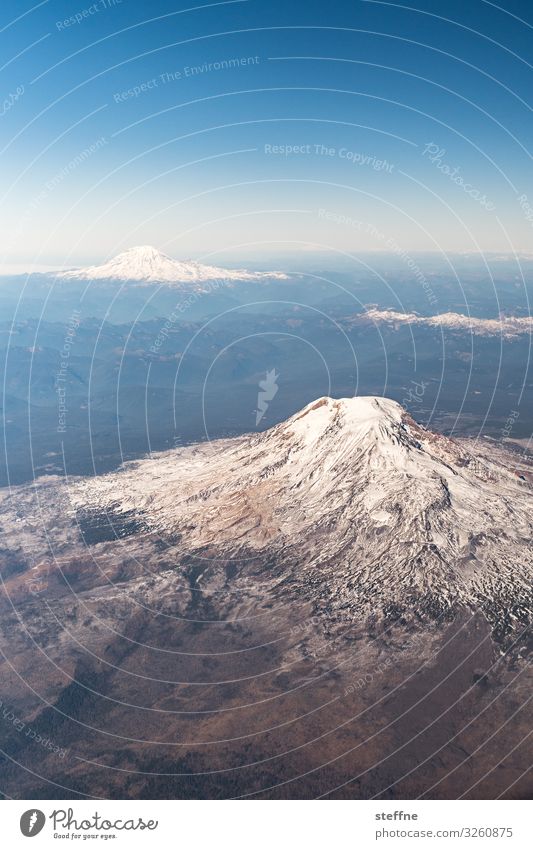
(506, 326)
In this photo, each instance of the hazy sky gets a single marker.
(264, 125)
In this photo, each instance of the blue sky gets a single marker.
(258, 127)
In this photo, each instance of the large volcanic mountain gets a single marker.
(341, 600)
(145, 265)
(350, 493)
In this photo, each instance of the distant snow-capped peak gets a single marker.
(145, 264)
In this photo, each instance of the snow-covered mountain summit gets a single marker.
(353, 455)
(146, 265)
(348, 496)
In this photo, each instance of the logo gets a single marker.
(32, 822)
(267, 390)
